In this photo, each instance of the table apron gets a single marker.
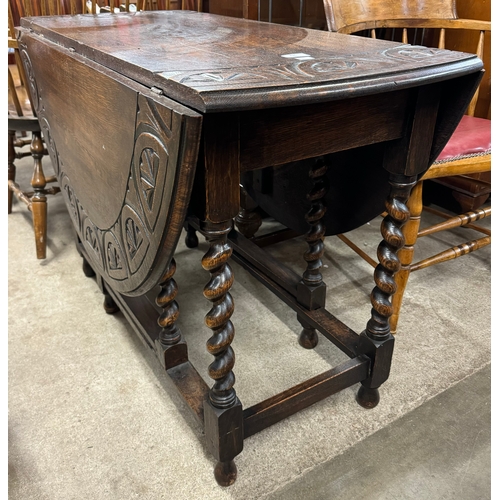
(276, 136)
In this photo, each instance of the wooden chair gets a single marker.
(24, 129)
(103, 6)
(469, 150)
(23, 125)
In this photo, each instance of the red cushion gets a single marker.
(471, 137)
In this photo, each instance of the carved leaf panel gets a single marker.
(127, 201)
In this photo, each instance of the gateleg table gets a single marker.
(157, 121)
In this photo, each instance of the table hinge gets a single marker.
(156, 90)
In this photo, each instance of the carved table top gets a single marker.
(125, 101)
(211, 62)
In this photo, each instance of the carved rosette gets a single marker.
(297, 71)
(393, 240)
(415, 52)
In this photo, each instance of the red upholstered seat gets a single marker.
(472, 137)
(464, 165)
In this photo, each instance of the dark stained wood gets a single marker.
(283, 282)
(378, 327)
(283, 275)
(224, 99)
(272, 410)
(282, 191)
(232, 72)
(218, 319)
(443, 24)
(224, 431)
(110, 306)
(249, 218)
(222, 175)
(191, 386)
(275, 237)
(170, 333)
(149, 167)
(171, 348)
(143, 317)
(111, 146)
(140, 313)
(311, 291)
(314, 124)
(419, 140)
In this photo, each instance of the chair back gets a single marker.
(19, 101)
(349, 16)
(422, 22)
(30, 8)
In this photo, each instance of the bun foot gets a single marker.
(367, 398)
(191, 239)
(225, 473)
(87, 269)
(308, 338)
(110, 305)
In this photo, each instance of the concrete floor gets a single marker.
(441, 450)
(92, 415)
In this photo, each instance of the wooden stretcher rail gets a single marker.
(276, 408)
(142, 315)
(282, 281)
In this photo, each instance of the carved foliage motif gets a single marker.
(310, 68)
(149, 162)
(119, 251)
(28, 68)
(133, 237)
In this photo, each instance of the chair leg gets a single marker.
(410, 233)
(12, 166)
(39, 200)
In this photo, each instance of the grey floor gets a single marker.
(439, 450)
(92, 415)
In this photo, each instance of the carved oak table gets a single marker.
(154, 120)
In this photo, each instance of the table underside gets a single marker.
(142, 313)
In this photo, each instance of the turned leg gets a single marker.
(191, 239)
(12, 166)
(109, 304)
(377, 341)
(248, 219)
(308, 337)
(405, 255)
(170, 347)
(223, 412)
(87, 269)
(311, 291)
(39, 200)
